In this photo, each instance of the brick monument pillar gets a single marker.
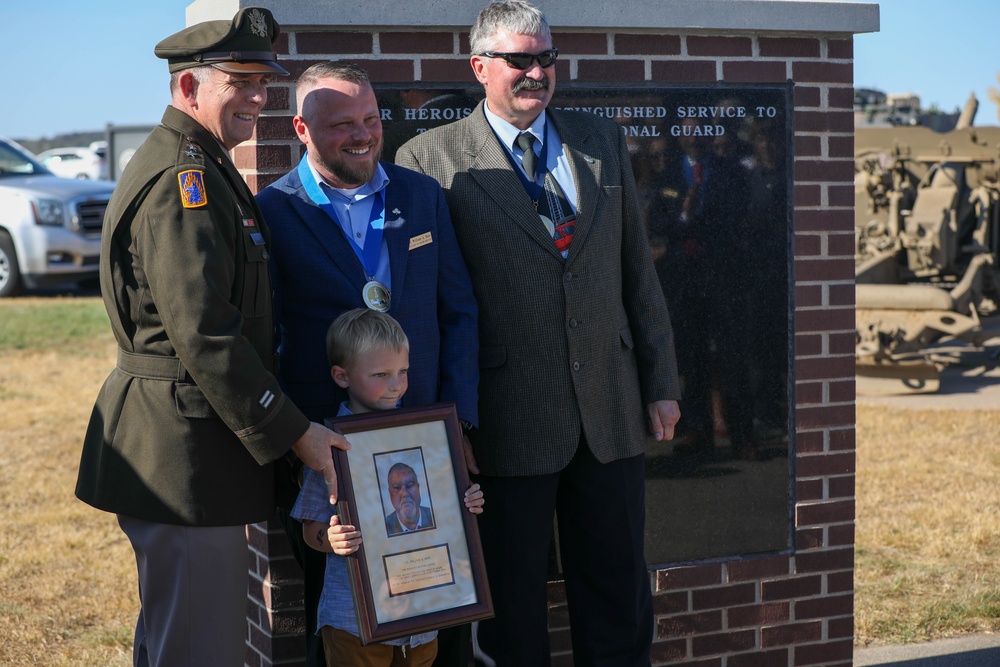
(781, 607)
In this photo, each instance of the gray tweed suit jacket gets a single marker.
(580, 344)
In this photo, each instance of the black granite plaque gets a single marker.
(712, 166)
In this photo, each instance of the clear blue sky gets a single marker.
(77, 66)
(939, 49)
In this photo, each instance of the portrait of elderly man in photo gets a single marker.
(409, 515)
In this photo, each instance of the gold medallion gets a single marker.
(376, 296)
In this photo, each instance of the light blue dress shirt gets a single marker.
(556, 160)
(354, 208)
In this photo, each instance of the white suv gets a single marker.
(74, 162)
(50, 227)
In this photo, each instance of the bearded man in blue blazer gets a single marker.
(349, 231)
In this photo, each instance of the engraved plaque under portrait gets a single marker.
(713, 172)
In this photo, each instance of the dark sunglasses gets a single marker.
(523, 60)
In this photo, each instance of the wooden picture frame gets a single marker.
(407, 582)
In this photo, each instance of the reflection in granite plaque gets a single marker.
(712, 166)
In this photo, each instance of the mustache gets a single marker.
(524, 83)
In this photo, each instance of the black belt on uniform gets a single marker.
(152, 367)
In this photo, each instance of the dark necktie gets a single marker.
(526, 142)
(553, 209)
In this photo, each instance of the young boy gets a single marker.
(369, 355)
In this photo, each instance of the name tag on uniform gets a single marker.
(423, 239)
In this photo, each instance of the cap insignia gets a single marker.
(258, 23)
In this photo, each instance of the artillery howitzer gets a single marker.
(927, 236)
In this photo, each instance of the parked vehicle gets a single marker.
(75, 162)
(50, 227)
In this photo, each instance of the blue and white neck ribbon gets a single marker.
(369, 255)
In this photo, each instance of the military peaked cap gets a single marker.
(240, 46)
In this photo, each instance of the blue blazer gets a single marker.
(316, 276)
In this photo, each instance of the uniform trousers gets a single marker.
(192, 594)
(600, 510)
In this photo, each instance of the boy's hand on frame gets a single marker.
(343, 540)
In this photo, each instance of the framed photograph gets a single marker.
(420, 565)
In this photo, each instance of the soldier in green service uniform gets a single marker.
(190, 428)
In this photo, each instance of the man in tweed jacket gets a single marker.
(576, 349)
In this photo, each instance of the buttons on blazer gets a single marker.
(576, 365)
(572, 323)
(569, 276)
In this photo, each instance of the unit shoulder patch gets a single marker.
(192, 185)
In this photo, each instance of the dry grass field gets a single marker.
(69, 583)
(928, 527)
(928, 524)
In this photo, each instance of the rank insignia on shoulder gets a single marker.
(192, 184)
